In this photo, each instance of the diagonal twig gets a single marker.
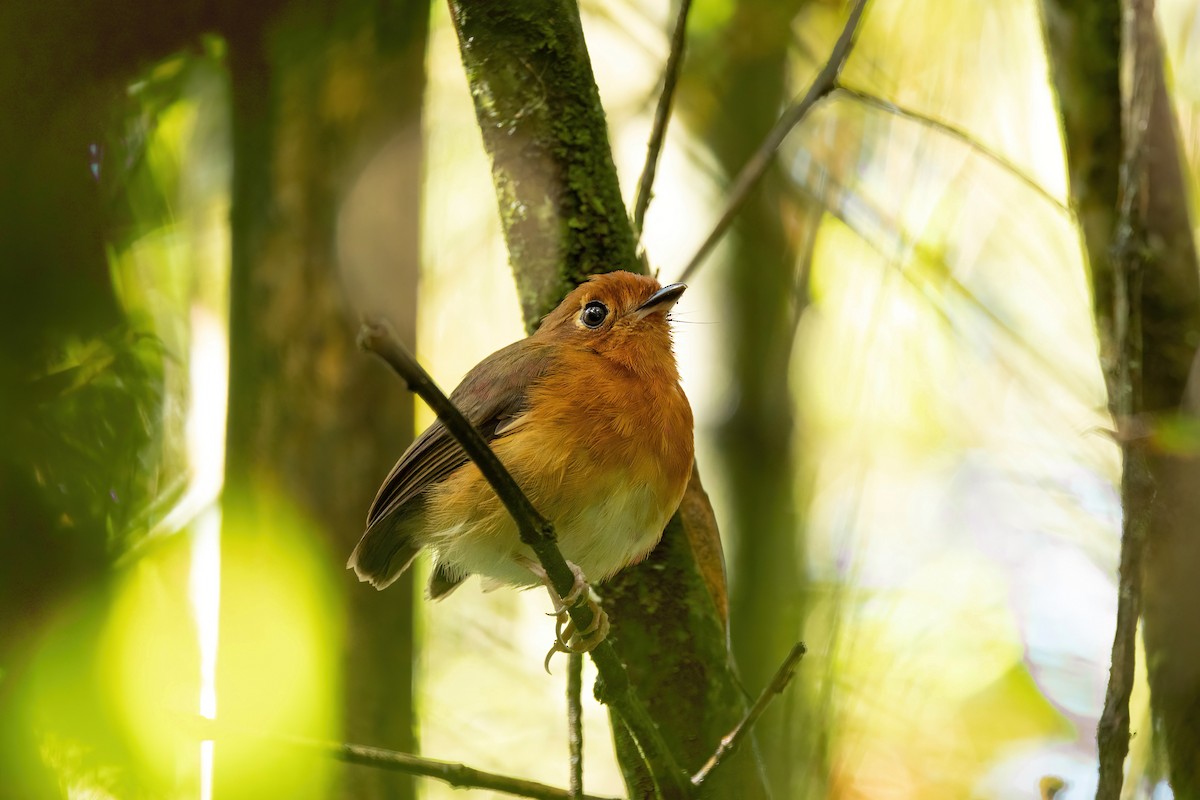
(756, 167)
(730, 742)
(871, 225)
(575, 722)
(451, 772)
(954, 132)
(662, 115)
(538, 533)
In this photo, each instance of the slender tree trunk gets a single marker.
(763, 262)
(563, 218)
(327, 103)
(1128, 187)
(1165, 282)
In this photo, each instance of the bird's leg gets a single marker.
(566, 638)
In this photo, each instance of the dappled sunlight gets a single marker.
(278, 664)
(150, 658)
(930, 672)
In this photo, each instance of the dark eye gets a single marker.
(594, 314)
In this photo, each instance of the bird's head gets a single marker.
(621, 316)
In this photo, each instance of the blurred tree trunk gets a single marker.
(54, 289)
(64, 67)
(563, 218)
(1128, 186)
(750, 67)
(327, 102)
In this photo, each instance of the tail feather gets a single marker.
(387, 549)
(443, 581)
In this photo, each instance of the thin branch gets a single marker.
(859, 214)
(662, 115)
(451, 772)
(575, 722)
(455, 774)
(1126, 392)
(730, 742)
(878, 103)
(756, 167)
(538, 533)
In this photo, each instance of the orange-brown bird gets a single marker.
(586, 413)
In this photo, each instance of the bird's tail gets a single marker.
(386, 549)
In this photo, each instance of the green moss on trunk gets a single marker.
(544, 128)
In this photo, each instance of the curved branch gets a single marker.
(954, 132)
(756, 167)
(451, 772)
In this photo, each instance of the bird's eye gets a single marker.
(594, 314)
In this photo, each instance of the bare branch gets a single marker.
(873, 101)
(1129, 259)
(538, 533)
(756, 167)
(730, 742)
(453, 773)
(662, 115)
(575, 722)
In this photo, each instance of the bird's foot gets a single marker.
(569, 640)
(566, 638)
(579, 588)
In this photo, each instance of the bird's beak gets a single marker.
(660, 301)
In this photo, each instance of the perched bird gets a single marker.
(586, 413)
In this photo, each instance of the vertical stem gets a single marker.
(1129, 193)
(575, 722)
(662, 115)
(757, 436)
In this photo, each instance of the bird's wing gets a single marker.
(491, 397)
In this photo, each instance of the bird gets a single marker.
(588, 415)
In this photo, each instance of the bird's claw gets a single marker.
(578, 588)
(569, 640)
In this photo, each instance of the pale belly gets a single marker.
(601, 529)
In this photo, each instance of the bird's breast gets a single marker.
(610, 460)
(605, 459)
(613, 422)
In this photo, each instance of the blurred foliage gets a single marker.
(95, 460)
(94, 437)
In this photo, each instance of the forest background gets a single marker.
(946, 340)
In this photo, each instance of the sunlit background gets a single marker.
(953, 474)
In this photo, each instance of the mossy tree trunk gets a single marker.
(1128, 187)
(327, 100)
(563, 218)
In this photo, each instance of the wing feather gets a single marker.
(491, 396)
